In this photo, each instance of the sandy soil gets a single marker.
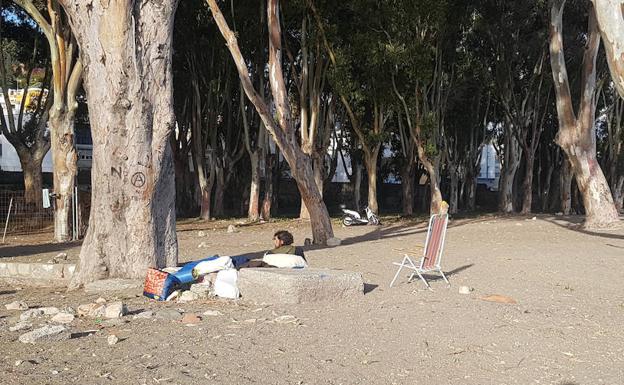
(566, 327)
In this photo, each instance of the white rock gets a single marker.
(334, 242)
(91, 310)
(16, 305)
(31, 313)
(46, 333)
(20, 326)
(115, 310)
(201, 234)
(188, 296)
(112, 339)
(232, 229)
(144, 314)
(534, 218)
(213, 313)
(60, 257)
(63, 318)
(49, 310)
(100, 300)
(464, 290)
(18, 362)
(202, 245)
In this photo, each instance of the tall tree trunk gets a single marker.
(508, 173)
(253, 213)
(454, 192)
(471, 191)
(577, 133)
(268, 186)
(370, 161)
(407, 188)
(64, 159)
(566, 186)
(126, 52)
(527, 184)
(357, 186)
(33, 180)
(219, 209)
(319, 180)
(433, 169)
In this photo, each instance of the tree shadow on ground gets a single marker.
(24, 250)
(576, 224)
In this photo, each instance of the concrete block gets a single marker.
(23, 269)
(298, 285)
(4, 270)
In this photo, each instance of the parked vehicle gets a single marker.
(353, 218)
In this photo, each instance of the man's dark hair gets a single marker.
(284, 236)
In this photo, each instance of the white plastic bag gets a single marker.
(226, 284)
(210, 266)
(285, 261)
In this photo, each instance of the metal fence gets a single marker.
(21, 217)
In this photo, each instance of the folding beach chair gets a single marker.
(432, 255)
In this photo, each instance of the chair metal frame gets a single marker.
(408, 263)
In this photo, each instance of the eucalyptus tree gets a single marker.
(281, 127)
(66, 79)
(125, 50)
(22, 63)
(577, 130)
(514, 48)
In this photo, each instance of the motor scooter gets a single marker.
(353, 218)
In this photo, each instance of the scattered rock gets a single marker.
(559, 214)
(18, 362)
(115, 310)
(20, 326)
(534, 218)
(499, 299)
(307, 242)
(232, 229)
(213, 313)
(201, 234)
(49, 310)
(465, 290)
(332, 242)
(168, 314)
(100, 300)
(191, 319)
(63, 318)
(113, 285)
(91, 310)
(144, 314)
(32, 313)
(203, 290)
(46, 333)
(188, 296)
(60, 257)
(16, 305)
(68, 310)
(112, 339)
(202, 245)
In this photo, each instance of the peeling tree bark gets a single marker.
(577, 133)
(126, 53)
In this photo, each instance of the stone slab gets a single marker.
(36, 274)
(291, 286)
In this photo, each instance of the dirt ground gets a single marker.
(566, 327)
